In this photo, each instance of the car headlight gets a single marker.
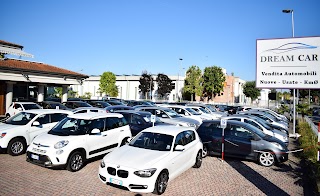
(61, 144)
(2, 135)
(102, 164)
(277, 145)
(145, 173)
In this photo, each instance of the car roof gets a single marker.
(94, 115)
(133, 112)
(168, 129)
(88, 108)
(39, 111)
(234, 122)
(154, 107)
(21, 102)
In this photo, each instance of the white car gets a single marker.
(77, 138)
(88, 109)
(17, 132)
(153, 158)
(189, 112)
(17, 107)
(205, 113)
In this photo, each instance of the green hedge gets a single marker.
(309, 142)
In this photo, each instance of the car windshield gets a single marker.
(152, 141)
(22, 118)
(72, 126)
(262, 122)
(192, 111)
(256, 130)
(172, 113)
(211, 108)
(203, 110)
(82, 104)
(31, 106)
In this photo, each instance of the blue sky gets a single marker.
(130, 36)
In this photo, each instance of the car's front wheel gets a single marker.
(266, 159)
(75, 162)
(16, 147)
(198, 160)
(161, 183)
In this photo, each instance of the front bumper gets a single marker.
(124, 177)
(42, 160)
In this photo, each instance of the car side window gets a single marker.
(252, 123)
(17, 106)
(111, 123)
(43, 119)
(190, 136)
(242, 132)
(99, 124)
(152, 111)
(236, 119)
(136, 119)
(180, 139)
(57, 117)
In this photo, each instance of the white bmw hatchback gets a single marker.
(153, 158)
(77, 138)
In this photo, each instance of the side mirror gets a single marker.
(36, 123)
(164, 116)
(129, 139)
(20, 109)
(95, 131)
(179, 148)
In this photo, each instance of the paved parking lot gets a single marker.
(232, 177)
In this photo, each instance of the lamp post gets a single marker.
(180, 65)
(288, 11)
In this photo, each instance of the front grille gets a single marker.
(111, 171)
(122, 173)
(42, 159)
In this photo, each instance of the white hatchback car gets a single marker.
(17, 132)
(17, 107)
(77, 138)
(154, 157)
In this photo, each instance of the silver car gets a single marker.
(261, 125)
(169, 116)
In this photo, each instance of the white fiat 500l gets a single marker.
(17, 132)
(153, 158)
(77, 138)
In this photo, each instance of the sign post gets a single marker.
(153, 119)
(223, 124)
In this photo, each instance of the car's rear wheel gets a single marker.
(198, 160)
(16, 147)
(267, 159)
(161, 183)
(204, 151)
(75, 162)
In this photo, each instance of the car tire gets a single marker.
(75, 161)
(17, 147)
(204, 151)
(161, 183)
(198, 160)
(267, 158)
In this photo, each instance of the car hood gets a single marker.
(7, 127)
(135, 157)
(274, 139)
(51, 140)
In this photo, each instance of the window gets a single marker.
(43, 119)
(57, 117)
(99, 124)
(190, 136)
(252, 123)
(17, 106)
(241, 132)
(180, 139)
(236, 119)
(114, 122)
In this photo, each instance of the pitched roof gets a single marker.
(10, 44)
(16, 65)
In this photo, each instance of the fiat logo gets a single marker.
(118, 166)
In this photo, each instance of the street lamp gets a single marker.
(179, 99)
(288, 11)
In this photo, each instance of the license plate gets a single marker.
(34, 156)
(115, 181)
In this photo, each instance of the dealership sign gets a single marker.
(288, 63)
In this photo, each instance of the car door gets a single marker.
(240, 142)
(45, 126)
(181, 160)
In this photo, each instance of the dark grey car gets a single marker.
(242, 140)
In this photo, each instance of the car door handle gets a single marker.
(104, 135)
(121, 130)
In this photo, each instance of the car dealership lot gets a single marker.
(232, 177)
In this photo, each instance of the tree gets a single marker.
(108, 84)
(165, 85)
(193, 81)
(250, 90)
(58, 92)
(146, 83)
(213, 81)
